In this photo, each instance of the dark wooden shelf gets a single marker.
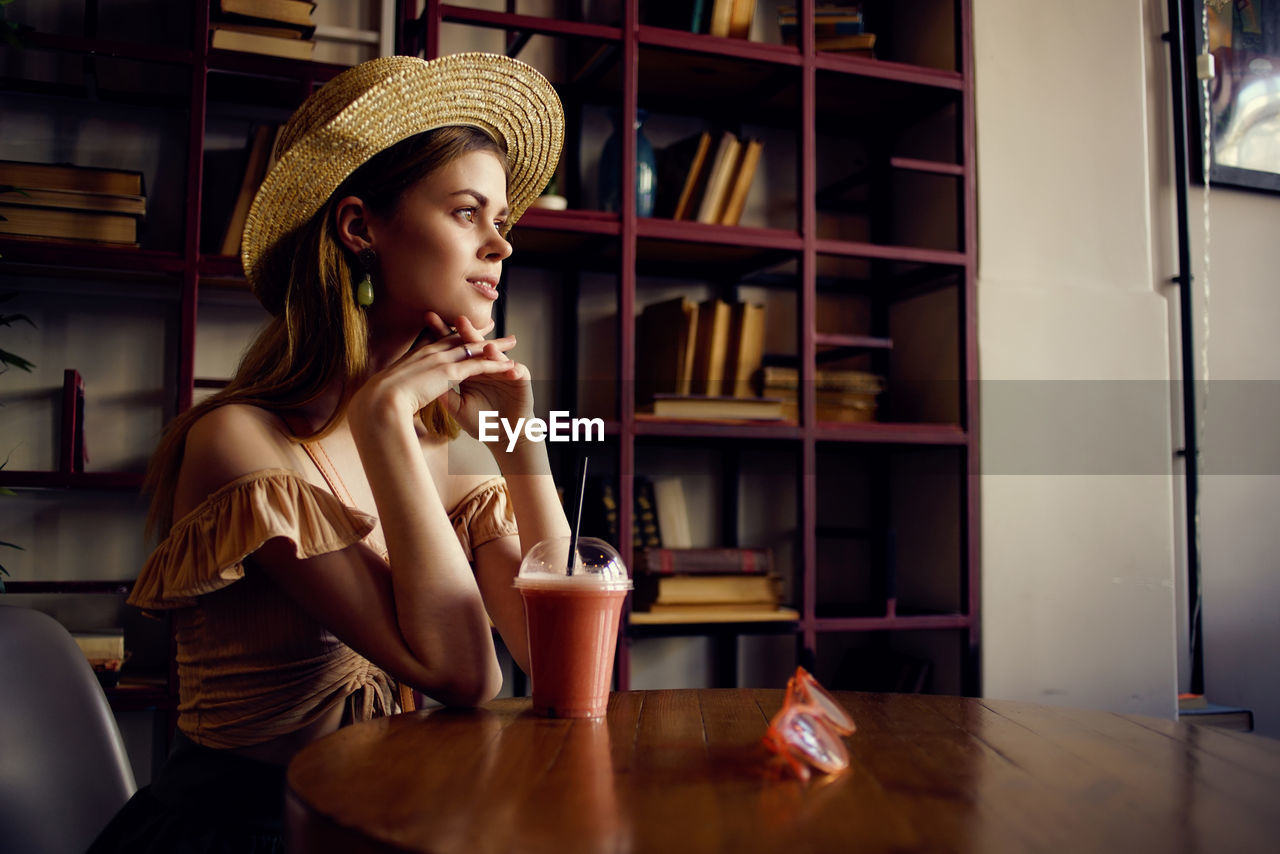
(883, 69)
(684, 231)
(937, 167)
(891, 433)
(88, 480)
(873, 432)
(260, 65)
(923, 622)
(129, 697)
(699, 43)
(649, 624)
(855, 249)
(652, 425)
(167, 95)
(528, 23)
(114, 49)
(141, 691)
(94, 260)
(851, 342)
(119, 588)
(574, 221)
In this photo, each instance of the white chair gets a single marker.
(63, 768)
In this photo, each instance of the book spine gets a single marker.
(667, 561)
(646, 532)
(707, 590)
(71, 453)
(698, 19)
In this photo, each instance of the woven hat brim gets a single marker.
(400, 97)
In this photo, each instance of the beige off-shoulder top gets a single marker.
(252, 665)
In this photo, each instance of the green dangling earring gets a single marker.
(364, 289)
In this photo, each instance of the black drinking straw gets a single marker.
(577, 513)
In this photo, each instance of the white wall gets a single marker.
(1078, 504)
(1240, 451)
(1240, 456)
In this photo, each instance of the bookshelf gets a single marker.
(859, 236)
(858, 232)
(137, 89)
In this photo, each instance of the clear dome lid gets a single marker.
(596, 565)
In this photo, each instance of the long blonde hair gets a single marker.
(319, 333)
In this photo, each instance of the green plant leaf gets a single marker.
(10, 319)
(16, 361)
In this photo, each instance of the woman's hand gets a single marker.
(509, 392)
(440, 360)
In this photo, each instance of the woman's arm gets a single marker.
(539, 515)
(386, 614)
(538, 510)
(438, 605)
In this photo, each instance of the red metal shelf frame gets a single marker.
(190, 266)
(805, 242)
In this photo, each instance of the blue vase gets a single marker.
(611, 170)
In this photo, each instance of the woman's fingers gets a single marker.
(469, 332)
(436, 326)
(494, 350)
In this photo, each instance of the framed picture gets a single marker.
(1244, 94)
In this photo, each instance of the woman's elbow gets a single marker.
(470, 689)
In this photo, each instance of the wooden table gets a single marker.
(684, 771)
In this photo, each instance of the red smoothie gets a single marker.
(573, 633)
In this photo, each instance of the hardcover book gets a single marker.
(65, 176)
(730, 408)
(709, 561)
(723, 168)
(75, 200)
(711, 347)
(82, 226)
(679, 165)
(737, 589)
(746, 348)
(665, 335)
(228, 39)
(255, 170)
(740, 186)
(295, 13)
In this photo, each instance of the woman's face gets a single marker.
(442, 248)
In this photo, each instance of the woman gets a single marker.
(333, 535)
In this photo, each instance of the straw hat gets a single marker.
(376, 104)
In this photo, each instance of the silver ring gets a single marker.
(467, 350)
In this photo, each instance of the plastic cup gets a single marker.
(572, 620)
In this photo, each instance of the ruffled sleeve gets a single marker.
(206, 549)
(484, 515)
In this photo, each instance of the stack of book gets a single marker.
(706, 178)
(702, 582)
(600, 512)
(837, 27)
(105, 652)
(699, 360)
(270, 27)
(841, 395)
(59, 201)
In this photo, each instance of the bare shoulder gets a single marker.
(465, 463)
(227, 443)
